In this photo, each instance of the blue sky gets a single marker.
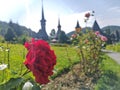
(28, 13)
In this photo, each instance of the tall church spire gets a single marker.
(43, 21)
(42, 34)
(59, 26)
(59, 29)
(42, 12)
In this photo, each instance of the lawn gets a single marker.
(111, 75)
(114, 47)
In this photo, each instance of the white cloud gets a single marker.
(9, 7)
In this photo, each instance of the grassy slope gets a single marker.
(111, 75)
(115, 48)
(66, 56)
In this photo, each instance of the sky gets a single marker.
(28, 13)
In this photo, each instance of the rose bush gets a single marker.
(89, 45)
(40, 59)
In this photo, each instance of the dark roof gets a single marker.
(59, 26)
(95, 26)
(78, 25)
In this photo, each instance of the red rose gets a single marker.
(40, 59)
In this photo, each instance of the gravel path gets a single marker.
(113, 55)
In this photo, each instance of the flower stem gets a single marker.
(26, 72)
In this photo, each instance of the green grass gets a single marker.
(115, 47)
(110, 79)
(16, 58)
(110, 64)
(66, 57)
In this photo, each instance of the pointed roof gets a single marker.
(42, 13)
(59, 26)
(78, 25)
(59, 29)
(95, 26)
(43, 18)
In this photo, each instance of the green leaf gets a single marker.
(12, 83)
(36, 87)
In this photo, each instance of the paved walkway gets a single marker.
(113, 55)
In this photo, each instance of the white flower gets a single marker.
(27, 86)
(7, 50)
(84, 47)
(3, 66)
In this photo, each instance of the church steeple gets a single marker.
(77, 28)
(43, 21)
(42, 12)
(59, 29)
(78, 25)
(59, 26)
(42, 34)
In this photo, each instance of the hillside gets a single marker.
(16, 28)
(112, 28)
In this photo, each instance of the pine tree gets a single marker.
(62, 37)
(9, 36)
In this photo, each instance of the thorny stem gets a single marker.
(69, 59)
(83, 59)
(21, 68)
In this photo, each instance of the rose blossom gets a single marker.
(103, 38)
(87, 15)
(73, 35)
(40, 59)
(97, 33)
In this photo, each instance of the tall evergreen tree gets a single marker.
(113, 38)
(108, 34)
(9, 36)
(62, 37)
(52, 34)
